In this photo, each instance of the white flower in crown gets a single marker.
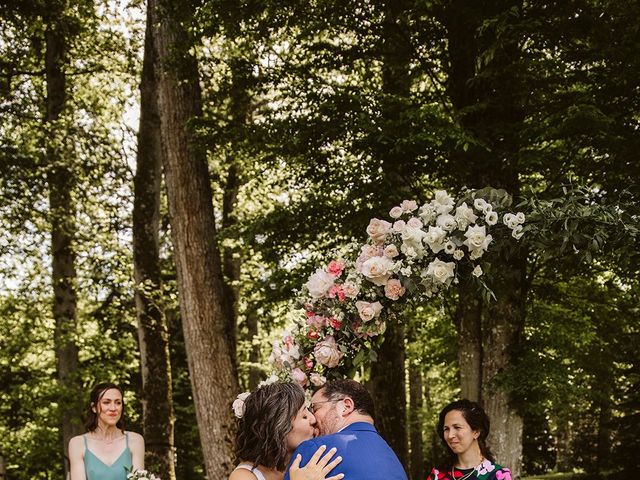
(238, 405)
(273, 378)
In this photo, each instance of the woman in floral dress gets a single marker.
(463, 427)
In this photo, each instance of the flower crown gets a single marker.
(239, 406)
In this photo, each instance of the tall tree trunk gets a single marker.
(389, 392)
(153, 332)
(62, 215)
(200, 286)
(255, 374)
(416, 403)
(468, 319)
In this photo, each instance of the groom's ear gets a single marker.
(349, 406)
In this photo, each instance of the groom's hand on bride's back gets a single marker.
(318, 466)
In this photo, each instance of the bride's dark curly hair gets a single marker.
(268, 418)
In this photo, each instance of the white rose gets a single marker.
(396, 212)
(238, 405)
(378, 230)
(377, 269)
(487, 209)
(319, 283)
(476, 254)
(465, 216)
(366, 252)
(406, 271)
(446, 222)
(477, 238)
(491, 218)
(441, 271)
(327, 352)
(391, 251)
(367, 310)
(477, 271)
(427, 212)
(520, 217)
(443, 203)
(458, 254)
(413, 236)
(435, 238)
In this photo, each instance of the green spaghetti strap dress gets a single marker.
(96, 469)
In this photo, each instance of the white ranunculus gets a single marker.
(477, 271)
(520, 217)
(464, 216)
(377, 269)
(458, 254)
(510, 220)
(491, 218)
(327, 352)
(479, 204)
(435, 237)
(517, 232)
(378, 230)
(368, 310)
(477, 238)
(441, 272)
(446, 222)
(319, 282)
(487, 209)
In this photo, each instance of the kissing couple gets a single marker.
(281, 437)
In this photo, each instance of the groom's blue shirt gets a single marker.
(365, 454)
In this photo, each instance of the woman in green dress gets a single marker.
(106, 451)
(463, 427)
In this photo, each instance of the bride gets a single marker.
(273, 421)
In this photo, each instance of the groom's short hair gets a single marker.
(362, 400)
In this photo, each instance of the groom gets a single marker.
(344, 414)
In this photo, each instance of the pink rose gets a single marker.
(317, 321)
(335, 268)
(367, 252)
(399, 225)
(391, 251)
(378, 230)
(368, 311)
(313, 334)
(409, 205)
(393, 290)
(336, 291)
(396, 212)
(335, 323)
(308, 363)
(415, 223)
(350, 289)
(317, 379)
(299, 376)
(327, 352)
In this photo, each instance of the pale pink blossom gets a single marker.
(393, 290)
(378, 230)
(415, 222)
(399, 226)
(409, 205)
(335, 268)
(350, 289)
(299, 377)
(367, 310)
(377, 269)
(317, 380)
(327, 352)
(391, 251)
(396, 212)
(319, 283)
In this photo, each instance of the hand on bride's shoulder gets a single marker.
(318, 467)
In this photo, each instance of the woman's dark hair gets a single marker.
(477, 420)
(91, 422)
(268, 418)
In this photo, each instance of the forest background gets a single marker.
(172, 172)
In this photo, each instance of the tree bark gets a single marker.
(417, 466)
(200, 286)
(62, 216)
(153, 335)
(468, 319)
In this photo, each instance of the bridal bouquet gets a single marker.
(141, 475)
(416, 253)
